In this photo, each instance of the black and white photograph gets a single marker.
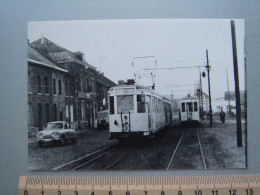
(137, 94)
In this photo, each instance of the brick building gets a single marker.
(46, 90)
(79, 87)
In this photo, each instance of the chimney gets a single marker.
(42, 40)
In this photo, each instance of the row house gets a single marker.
(46, 90)
(103, 84)
(86, 89)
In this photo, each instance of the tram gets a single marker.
(189, 110)
(137, 111)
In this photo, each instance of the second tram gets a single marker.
(189, 110)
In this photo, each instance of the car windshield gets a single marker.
(54, 126)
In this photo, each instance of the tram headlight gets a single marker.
(115, 122)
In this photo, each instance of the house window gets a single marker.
(61, 116)
(71, 88)
(81, 84)
(54, 86)
(40, 116)
(66, 88)
(59, 87)
(47, 113)
(86, 85)
(39, 83)
(54, 112)
(92, 86)
(77, 86)
(46, 84)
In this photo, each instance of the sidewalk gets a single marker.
(219, 144)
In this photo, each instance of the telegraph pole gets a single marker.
(210, 108)
(237, 92)
(201, 97)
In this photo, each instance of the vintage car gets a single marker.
(102, 119)
(56, 132)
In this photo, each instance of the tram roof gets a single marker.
(190, 98)
(138, 87)
(129, 86)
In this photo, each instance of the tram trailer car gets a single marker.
(189, 110)
(137, 111)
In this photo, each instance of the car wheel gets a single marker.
(63, 140)
(40, 144)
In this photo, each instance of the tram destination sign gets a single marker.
(124, 91)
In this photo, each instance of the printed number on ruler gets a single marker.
(183, 185)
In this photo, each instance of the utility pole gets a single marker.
(228, 93)
(210, 108)
(237, 92)
(201, 96)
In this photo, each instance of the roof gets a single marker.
(37, 58)
(78, 53)
(48, 47)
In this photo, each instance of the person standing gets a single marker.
(223, 117)
(221, 114)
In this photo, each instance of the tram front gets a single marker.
(124, 118)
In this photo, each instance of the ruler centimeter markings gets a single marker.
(179, 185)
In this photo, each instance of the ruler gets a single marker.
(180, 185)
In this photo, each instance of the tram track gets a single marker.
(180, 148)
(103, 159)
(201, 150)
(120, 159)
(78, 163)
(174, 153)
(109, 159)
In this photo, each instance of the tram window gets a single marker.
(189, 105)
(148, 98)
(111, 105)
(195, 106)
(125, 104)
(183, 107)
(140, 103)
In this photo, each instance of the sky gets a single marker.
(124, 48)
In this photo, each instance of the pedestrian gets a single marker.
(223, 117)
(220, 115)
